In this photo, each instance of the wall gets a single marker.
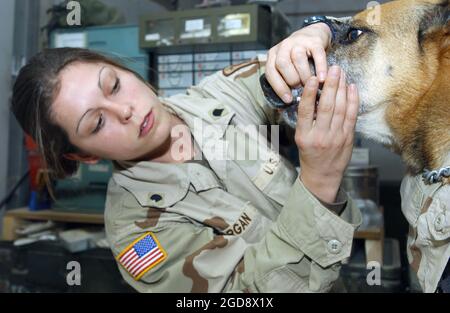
(25, 44)
(134, 8)
(131, 9)
(6, 42)
(298, 10)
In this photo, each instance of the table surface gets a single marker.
(57, 216)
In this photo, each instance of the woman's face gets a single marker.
(102, 108)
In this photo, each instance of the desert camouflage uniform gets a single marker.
(427, 209)
(228, 225)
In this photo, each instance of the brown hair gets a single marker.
(33, 94)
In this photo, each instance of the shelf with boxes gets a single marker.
(187, 46)
(255, 25)
(177, 72)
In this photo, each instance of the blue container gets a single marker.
(39, 201)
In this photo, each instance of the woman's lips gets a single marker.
(148, 122)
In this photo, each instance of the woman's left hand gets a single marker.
(325, 139)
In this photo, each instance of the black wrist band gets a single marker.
(321, 19)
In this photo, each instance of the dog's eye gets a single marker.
(354, 34)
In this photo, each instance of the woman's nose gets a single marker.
(123, 111)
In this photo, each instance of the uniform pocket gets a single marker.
(438, 221)
(274, 178)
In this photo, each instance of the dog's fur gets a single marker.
(401, 67)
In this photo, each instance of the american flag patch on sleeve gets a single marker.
(142, 255)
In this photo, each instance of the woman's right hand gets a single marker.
(287, 63)
(325, 138)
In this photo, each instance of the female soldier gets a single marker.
(183, 214)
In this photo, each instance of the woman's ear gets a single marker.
(88, 159)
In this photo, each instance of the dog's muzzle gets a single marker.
(289, 110)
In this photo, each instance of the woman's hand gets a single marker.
(325, 144)
(287, 63)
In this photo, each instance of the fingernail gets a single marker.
(335, 71)
(287, 98)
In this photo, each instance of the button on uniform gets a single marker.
(155, 197)
(439, 222)
(270, 166)
(218, 112)
(334, 246)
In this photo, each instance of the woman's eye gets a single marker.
(100, 123)
(116, 86)
(354, 34)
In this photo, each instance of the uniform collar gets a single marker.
(208, 110)
(162, 184)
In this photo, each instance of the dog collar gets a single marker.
(321, 19)
(432, 177)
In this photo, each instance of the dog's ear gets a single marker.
(446, 15)
(435, 20)
(446, 30)
(435, 16)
